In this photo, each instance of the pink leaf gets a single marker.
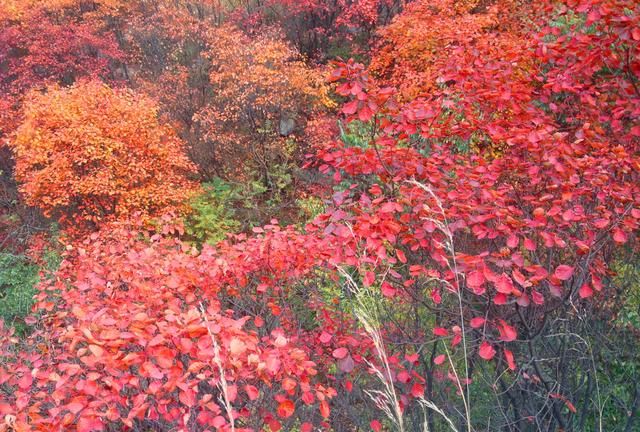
(477, 322)
(340, 353)
(486, 351)
(508, 355)
(439, 331)
(563, 272)
(619, 236)
(325, 337)
(252, 392)
(585, 291)
(475, 279)
(507, 332)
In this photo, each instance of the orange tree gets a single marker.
(411, 55)
(91, 153)
(262, 93)
(40, 44)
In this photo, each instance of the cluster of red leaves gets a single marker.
(526, 229)
(489, 242)
(411, 55)
(39, 49)
(132, 332)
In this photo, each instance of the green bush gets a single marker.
(212, 214)
(18, 277)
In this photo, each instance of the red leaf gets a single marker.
(600, 223)
(187, 397)
(401, 256)
(456, 340)
(403, 377)
(164, 357)
(568, 215)
(274, 425)
(324, 409)
(286, 408)
(376, 426)
(252, 392)
(504, 284)
(507, 333)
(308, 398)
(365, 114)
(417, 390)
(89, 424)
(529, 244)
(439, 331)
(350, 107)
(619, 236)
(537, 297)
(325, 337)
(24, 383)
(475, 279)
(76, 405)
(486, 351)
(340, 353)
(258, 321)
(387, 290)
(585, 291)
(237, 347)
(500, 299)
(477, 322)
(412, 358)
(508, 355)
(96, 350)
(369, 278)
(5, 409)
(218, 422)
(289, 385)
(563, 272)
(520, 278)
(439, 359)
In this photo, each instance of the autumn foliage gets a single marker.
(141, 339)
(467, 257)
(412, 55)
(37, 49)
(262, 94)
(94, 153)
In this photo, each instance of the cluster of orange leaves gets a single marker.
(97, 153)
(411, 55)
(257, 83)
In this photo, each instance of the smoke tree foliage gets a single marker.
(90, 153)
(261, 94)
(473, 265)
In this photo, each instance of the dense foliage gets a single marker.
(91, 152)
(462, 206)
